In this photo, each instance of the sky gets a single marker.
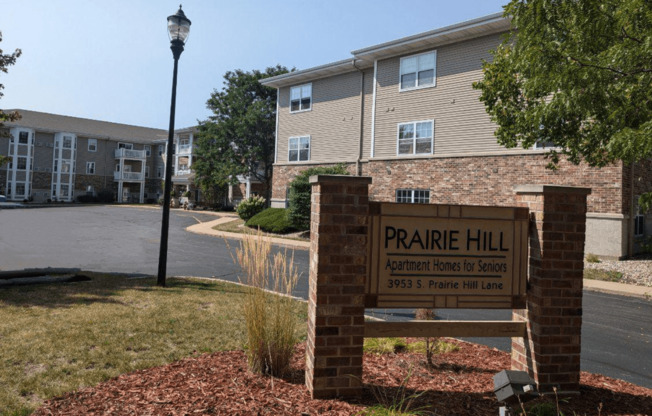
(110, 59)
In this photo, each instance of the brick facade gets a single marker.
(550, 352)
(490, 180)
(284, 174)
(484, 180)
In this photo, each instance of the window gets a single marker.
(415, 138)
(56, 166)
(639, 225)
(129, 146)
(159, 172)
(20, 189)
(67, 142)
(117, 168)
(299, 149)
(544, 144)
(90, 168)
(418, 71)
(23, 137)
(148, 150)
(147, 171)
(413, 196)
(65, 166)
(92, 145)
(300, 98)
(184, 144)
(64, 191)
(160, 149)
(21, 163)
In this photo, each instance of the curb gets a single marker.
(643, 292)
(206, 228)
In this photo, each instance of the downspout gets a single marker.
(278, 100)
(373, 111)
(358, 165)
(630, 231)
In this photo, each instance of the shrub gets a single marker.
(105, 196)
(86, 199)
(300, 191)
(250, 207)
(271, 220)
(592, 258)
(269, 316)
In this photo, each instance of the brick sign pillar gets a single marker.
(338, 269)
(550, 353)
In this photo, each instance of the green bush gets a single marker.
(250, 207)
(272, 220)
(300, 191)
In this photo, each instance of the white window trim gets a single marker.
(414, 147)
(148, 150)
(299, 148)
(412, 196)
(125, 145)
(89, 145)
(418, 87)
(290, 99)
(88, 165)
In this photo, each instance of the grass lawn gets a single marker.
(61, 337)
(237, 226)
(599, 274)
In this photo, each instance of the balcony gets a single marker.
(184, 149)
(130, 154)
(128, 176)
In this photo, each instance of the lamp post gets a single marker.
(178, 29)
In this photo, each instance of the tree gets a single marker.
(6, 60)
(238, 139)
(576, 75)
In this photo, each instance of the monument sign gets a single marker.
(447, 256)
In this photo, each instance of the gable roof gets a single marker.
(364, 58)
(54, 123)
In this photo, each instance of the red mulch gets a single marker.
(221, 384)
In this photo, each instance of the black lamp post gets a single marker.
(178, 29)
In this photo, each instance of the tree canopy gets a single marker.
(576, 75)
(6, 60)
(238, 139)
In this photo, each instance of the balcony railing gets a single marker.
(128, 176)
(130, 154)
(184, 149)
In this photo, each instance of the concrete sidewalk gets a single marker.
(206, 228)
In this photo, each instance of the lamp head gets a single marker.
(178, 27)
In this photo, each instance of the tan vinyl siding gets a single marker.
(462, 125)
(333, 123)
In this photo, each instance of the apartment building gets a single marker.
(58, 158)
(404, 113)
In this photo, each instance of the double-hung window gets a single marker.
(299, 149)
(413, 196)
(300, 98)
(418, 71)
(90, 168)
(148, 150)
(92, 145)
(415, 138)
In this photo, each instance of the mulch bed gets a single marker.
(221, 384)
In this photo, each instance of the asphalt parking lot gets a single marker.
(109, 239)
